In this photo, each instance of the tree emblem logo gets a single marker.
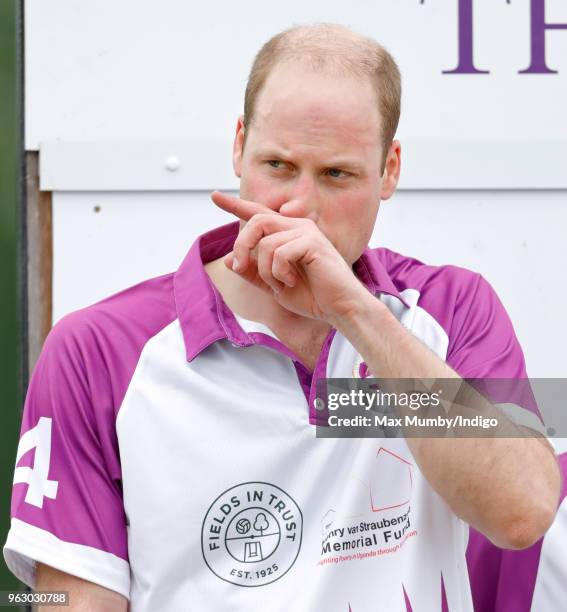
(251, 534)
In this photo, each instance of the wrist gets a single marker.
(363, 307)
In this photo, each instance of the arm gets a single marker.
(83, 595)
(506, 487)
(73, 469)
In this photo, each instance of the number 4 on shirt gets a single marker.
(39, 486)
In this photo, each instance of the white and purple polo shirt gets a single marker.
(168, 452)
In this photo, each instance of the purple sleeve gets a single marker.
(67, 509)
(483, 343)
(484, 349)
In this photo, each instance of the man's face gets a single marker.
(314, 150)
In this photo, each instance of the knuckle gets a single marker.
(260, 218)
(265, 245)
(253, 221)
(264, 274)
(278, 255)
(280, 261)
(279, 264)
(279, 275)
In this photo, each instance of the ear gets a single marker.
(392, 169)
(238, 147)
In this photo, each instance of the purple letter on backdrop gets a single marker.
(466, 59)
(538, 65)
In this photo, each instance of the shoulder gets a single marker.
(461, 311)
(444, 291)
(98, 347)
(136, 313)
(411, 273)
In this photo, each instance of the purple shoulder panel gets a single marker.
(70, 411)
(482, 342)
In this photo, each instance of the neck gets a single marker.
(250, 302)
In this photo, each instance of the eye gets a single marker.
(338, 173)
(276, 164)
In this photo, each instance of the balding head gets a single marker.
(335, 51)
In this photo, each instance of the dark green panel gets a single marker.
(9, 324)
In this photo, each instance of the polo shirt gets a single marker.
(168, 451)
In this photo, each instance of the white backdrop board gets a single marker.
(102, 70)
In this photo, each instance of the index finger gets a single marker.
(243, 209)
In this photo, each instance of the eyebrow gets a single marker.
(339, 162)
(347, 164)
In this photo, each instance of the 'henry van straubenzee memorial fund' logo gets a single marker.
(251, 534)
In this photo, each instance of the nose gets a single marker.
(303, 199)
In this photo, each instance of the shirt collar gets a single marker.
(370, 270)
(202, 313)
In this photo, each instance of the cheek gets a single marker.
(355, 210)
(350, 223)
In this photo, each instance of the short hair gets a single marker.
(333, 48)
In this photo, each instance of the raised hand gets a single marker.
(292, 259)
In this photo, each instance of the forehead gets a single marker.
(298, 106)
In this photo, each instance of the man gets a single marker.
(176, 464)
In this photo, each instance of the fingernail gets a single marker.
(235, 264)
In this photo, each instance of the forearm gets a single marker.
(84, 596)
(507, 487)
